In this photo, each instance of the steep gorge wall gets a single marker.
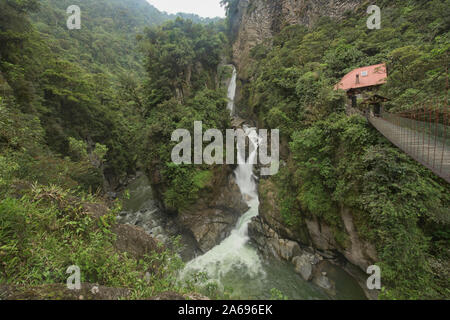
(257, 21)
(310, 232)
(310, 239)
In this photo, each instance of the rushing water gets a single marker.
(232, 90)
(234, 265)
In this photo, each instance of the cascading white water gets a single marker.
(234, 263)
(245, 178)
(234, 254)
(232, 91)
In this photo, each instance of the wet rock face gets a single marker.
(270, 214)
(308, 245)
(257, 21)
(357, 251)
(213, 217)
(269, 229)
(201, 226)
(269, 242)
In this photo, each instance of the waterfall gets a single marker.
(234, 255)
(245, 178)
(234, 265)
(232, 91)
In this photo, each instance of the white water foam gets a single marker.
(232, 91)
(234, 254)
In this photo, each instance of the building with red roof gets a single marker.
(362, 80)
(364, 77)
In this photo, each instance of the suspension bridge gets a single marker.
(423, 133)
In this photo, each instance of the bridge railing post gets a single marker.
(436, 119)
(423, 123)
(429, 135)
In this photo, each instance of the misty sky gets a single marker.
(204, 8)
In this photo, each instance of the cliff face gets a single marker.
(310, 242)
(256, 21)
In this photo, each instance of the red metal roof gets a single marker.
(368, 76)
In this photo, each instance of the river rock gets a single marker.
(303, 265)
(323, 282)
(320, 278)
(288, 249)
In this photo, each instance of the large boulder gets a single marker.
(129, 238)
(323, 282)
(135, 241)
(288, 249)
(213, 217)
(303, 266)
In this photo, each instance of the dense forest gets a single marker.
(82, 111)
(73, 113)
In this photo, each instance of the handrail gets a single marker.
(424, 134)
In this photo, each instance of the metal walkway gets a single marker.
(423, 134)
